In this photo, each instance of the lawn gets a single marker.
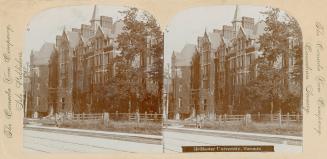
(293, 129)
(146, 127)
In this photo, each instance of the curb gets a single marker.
(278, 139)
(140, 138)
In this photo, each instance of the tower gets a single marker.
(173, 64)
(95, 20)
(205, 61)
(237, 21)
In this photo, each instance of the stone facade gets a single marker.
(86, 63)
(220, 65)
(37, 95)
(234, 60)
(180, 105)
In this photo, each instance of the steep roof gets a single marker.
(184, 58)
(259, 28)
(73, 38)
(42, 56)
(117, 28)
(214, 38)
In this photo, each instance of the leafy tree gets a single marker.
(141, 39)
(270, 89)
(156, 49)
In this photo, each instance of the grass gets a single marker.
(293, 129)
(151, 128)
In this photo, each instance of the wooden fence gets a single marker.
(117, 117)
(226, 119)
(97, 116)
(282, 118)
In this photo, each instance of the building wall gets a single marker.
(65, 75)
(53, 82)
(86, 64)
(182, 92)
(207, 76)
(39, 89)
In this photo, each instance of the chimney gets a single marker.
(248, 23)
(76, 30)
(106, 22)
(227, 32)
(86, 30)
(58, 40)
(218, 31)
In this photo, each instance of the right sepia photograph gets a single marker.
(233, 80)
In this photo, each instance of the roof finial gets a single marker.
(237, 13)
(95, 13)
(205, 31)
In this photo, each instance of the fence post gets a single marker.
(83, 116)
(225, 117)
(138, 117)
(145, 116)
(219, 118)
(155, 116)
(298, 117)
(106, 119)
(245, 120)
(249, 118)
(288, 117)
(271, 117)
(259, 119)
(280, 119)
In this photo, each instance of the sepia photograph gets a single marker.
(232, 77)
(153, 79)
(93, 81)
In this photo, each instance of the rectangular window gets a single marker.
(100, 59)
(62, 103)
(179, 102)
(37, 100)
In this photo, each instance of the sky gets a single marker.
(44, 26)
(184, 27)
(187, 25)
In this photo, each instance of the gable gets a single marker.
(241, 33)
(99, 32)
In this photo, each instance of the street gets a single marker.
(58, 140)
(49, 142)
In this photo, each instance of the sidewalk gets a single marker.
(144, 138)
(238, 133)
(97, 132)
(291, 140)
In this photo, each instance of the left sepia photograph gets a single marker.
(93, 78)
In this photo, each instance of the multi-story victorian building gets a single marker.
(53, 82)
(93, 60)
(37, 95)
(221, 66)
(234, 60)
(85, 60)
(180, 106)
(206, 47)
